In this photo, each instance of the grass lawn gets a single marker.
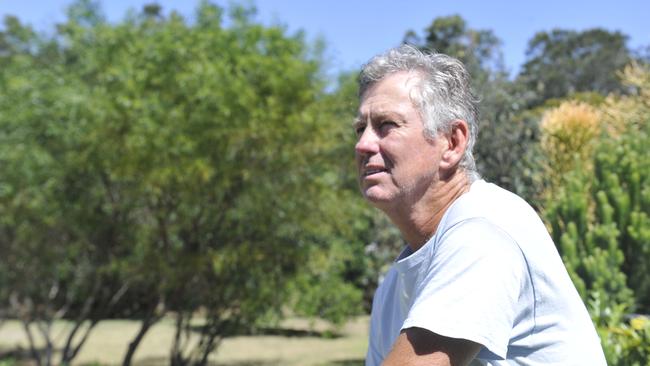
(295, 343)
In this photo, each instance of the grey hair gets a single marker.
(443, 94)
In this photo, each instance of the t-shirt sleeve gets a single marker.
(471, 287)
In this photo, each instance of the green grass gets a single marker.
(295, 343)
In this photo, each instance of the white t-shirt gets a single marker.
(490, 274)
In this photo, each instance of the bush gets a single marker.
(625, 342)
(597, 205)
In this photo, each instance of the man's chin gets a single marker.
(377, 197)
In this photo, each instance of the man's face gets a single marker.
(396, 162)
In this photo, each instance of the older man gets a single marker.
(480, 278)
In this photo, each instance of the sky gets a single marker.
(355, 30)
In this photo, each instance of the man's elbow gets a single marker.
(417, 346)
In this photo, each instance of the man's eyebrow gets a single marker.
(388, 115)
(361, 120)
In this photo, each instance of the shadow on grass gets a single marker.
(291, 332)
(248, 363)
(147, 361)
(160, 361)
(355, 362)
(276, 331)
(18, 355)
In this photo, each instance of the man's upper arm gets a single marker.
(417, 346)
(472, 288)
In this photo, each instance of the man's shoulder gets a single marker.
(489, 202)
(484, 195)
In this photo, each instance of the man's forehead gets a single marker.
(383, 106)
(392, 94)
(403, 79)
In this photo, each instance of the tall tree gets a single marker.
(54, 268)
(562, 62)
(192, 164)
(478, 49)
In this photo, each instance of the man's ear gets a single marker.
(457, 141)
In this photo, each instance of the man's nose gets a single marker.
(368, 142)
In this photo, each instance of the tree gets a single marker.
(189, 166)
(477, 49)
(562, 62)
(54, 269)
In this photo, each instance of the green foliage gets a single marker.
(625, 342)
(599, 217)
(477, 49)
(56, 264)
(588, 245)
(385, 243)
(600, 220)
(622, 183)
(596, 204)
(192, 166)
(160, 166)
(320, 292)
(562, 62)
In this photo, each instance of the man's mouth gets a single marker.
(370, 171)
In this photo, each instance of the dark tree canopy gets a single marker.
(562, 62)
(479, 49)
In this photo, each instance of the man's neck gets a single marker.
(419, 222)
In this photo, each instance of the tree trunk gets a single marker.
(178, 346)
(70, 351)
(209, 347)
(32, 343)
(147, 322)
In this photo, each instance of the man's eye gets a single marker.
(359, 130)
(386, 125)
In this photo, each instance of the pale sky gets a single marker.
(356, 30)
